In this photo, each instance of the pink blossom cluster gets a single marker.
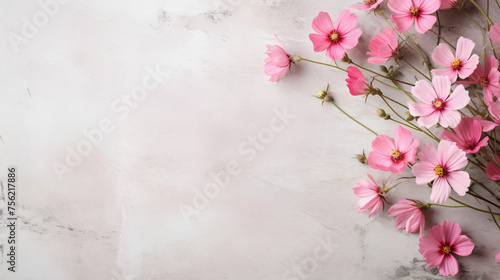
(446, 99)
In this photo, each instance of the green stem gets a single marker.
(467, 14)
(407, 62)
(380, 75)
(439, 36)
(481, 10)
(321, 63)
(390, 99)
(353, 119)
(421, 52)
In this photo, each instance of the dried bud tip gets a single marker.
(381, 113)
(362, 158)
(295, 58)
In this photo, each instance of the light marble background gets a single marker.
(117, 212)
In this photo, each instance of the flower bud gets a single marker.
(381, 113)
(383, 69)
(410, 117)
(362, 158)
(346, 59)
(295, 58)
(322, 94)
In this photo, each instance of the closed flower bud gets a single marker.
(381, 113)
(346, 59)
(410, 117)
(295, 58)
(383, 69)
(362, 158)
(322, 94)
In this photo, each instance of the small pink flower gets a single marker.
(439, 106)
(335, 40)
(497, 257)
(367, 6)
(277, 62)
(462, 64)
(370, 196)
(443, 240)
(467, 135)
(383, 46)
(356, 82)
(447, 4)
(409, 215)
(495, 33)
(442, 166)
(492, 169)
(487, 77)
(393, 156)
(406, 11)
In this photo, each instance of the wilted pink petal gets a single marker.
(277, 61)
(356, 82)
(409, 215)
(370, 196)
(383, 46)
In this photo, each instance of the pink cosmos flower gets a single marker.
(277, 62)
(439, 106)
(492, 169)
(367, 6)
(370, 196)
(447, 4)
(443, 240)
(356, 82)
(383, 46)
(407, 11)
(495, 33)
(393, 156)
(408, 215)
(462, 64)
(487, 77)
(442, 166)
(467, 135)
(335, 40)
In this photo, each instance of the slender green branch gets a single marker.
(481, 10)
(353, 119)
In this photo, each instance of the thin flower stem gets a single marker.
(353, 118)
(390, 99)
(386, 84)
(483, 199)
(481, 10)
(448, 206)
(482, 185)
(407, 62)
(421, 52)
(467, 14)
(439, 36)
(439, 27)
(494, 219)
(407, 93)
(497, 4)
(472, 207)
(380, 75)
(478, 97)
(321, 63)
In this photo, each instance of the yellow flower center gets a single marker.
(438, 104)
(415, 11)
(335, 37)
(397, 156)
(439, 170)
(483, 81)
(446, 249)
(455, 63)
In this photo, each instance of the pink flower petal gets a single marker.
(424, 172)
(399, 6)
(440, 190)
(449, 266)
(495, 33)
(464, 48)
(443, 55)
(424, 91)
(403, 21)
(462, 245)
(346, 22)
(442, 86)
(424, 22)
(459, 181)
(320, 42)
(322, 24)
(350, 40)
(335, 52)
(458, 99)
